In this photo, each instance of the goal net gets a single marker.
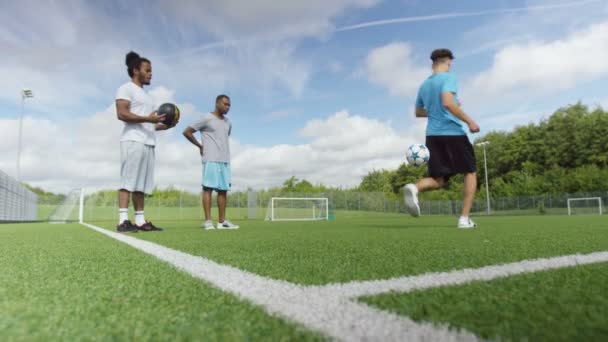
(297, 209)
(70, 209)
(585, 205)
(252, 204)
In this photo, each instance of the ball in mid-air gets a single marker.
(417, 154)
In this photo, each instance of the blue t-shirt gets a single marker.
(440, 121)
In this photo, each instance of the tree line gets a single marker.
(566, 152)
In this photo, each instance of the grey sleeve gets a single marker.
(200, 124)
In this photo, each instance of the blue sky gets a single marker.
(322, 90)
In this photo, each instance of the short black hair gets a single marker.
(133, 61)
(441, 54)
(221, 97)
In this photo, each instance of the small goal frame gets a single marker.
(599, 202)
(270, 215)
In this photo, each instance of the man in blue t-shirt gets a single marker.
(450, 149)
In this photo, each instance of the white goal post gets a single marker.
(572, 210)
(297, 209)
(70, 209)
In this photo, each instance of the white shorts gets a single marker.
(136, 167)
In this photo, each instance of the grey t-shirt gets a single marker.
(215, 133)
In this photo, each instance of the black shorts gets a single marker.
(450, 155)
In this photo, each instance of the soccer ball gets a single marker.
(417, 154)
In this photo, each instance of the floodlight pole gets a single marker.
(483, 144)
(25, 94)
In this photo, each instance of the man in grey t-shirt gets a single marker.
(215, 129)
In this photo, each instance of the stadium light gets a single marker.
(25, 94)
(485, 167)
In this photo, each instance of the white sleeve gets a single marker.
(124, 93)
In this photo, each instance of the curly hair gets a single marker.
(133, 61)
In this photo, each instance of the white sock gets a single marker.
(464, 218)
(123, 215)
(139, 218)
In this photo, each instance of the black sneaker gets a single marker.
(149, 227)
(126, 227)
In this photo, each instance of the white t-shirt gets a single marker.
(142, 104)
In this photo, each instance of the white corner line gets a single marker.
(457, 277)
(331, 309)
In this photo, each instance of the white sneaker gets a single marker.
(227, 225)
(466, 223)
(410, 197)
(208, 225)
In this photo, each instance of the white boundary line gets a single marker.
(331, 309)
(457, 277)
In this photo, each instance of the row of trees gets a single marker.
(45, 197)
(565, 153)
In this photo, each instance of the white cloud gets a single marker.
(342, 149)
(259, 38)
(335, 67)
(444, 16)
(64, 51)
(543, 67)
(235, 19)
(392, 67)
(72, 53)
(256, 40)
(264, 69)
(535, 25)
(495, 45)
(280, 115)
(85, 153)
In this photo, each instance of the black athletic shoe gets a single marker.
(149, 227)
(126, 227)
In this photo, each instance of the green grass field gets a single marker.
(67, 282)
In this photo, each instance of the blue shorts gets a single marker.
(216, 176)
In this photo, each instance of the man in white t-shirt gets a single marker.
(136, 109)
(215, 129)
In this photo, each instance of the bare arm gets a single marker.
(189, 134)
(421, 112)
(124, 114)
(447, 99)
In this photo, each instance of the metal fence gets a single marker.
(254, 204)
(547, 204)
(17, 203)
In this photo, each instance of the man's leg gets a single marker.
(429, 183)
(138, 201)
(138, 207)
(123, 206)
(207, 203)
(470, 187)
(221, 205)
(127, 176)
(222, 195)
(410, 193)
